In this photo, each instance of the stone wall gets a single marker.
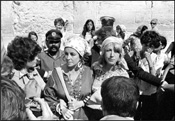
(21, 17)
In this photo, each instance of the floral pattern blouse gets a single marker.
(100, 75)
(78, 89)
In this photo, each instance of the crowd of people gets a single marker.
(98, 75)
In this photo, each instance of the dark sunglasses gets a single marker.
(153, 23)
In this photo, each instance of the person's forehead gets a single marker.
(33, 35)
(90, 22)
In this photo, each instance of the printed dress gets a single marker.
(78, 90)
(100, 76)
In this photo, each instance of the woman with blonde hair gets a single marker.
(111, 62)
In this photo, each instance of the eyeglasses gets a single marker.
(153, 23)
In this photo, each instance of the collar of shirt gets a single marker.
(24, 72)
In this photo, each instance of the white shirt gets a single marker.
(158, 60)
(145, 88)
(88, 36)
(20, 78)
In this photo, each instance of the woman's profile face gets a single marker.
(59, 26)
(71, 56)
(148, 49)
(111, 54)
(32, 63)
(118, 29)
(89, 26)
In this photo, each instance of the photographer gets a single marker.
(13, 103)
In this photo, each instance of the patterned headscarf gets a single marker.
(77, 43)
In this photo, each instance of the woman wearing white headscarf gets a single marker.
(78, 82)
(111, 63)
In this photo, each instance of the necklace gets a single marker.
(74, 88)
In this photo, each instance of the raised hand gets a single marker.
(32, 89)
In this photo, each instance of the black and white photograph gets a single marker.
(87, 60)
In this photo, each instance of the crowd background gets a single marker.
(21, 17)
(40, 67)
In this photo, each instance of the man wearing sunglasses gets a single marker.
(153, 24)
(53, 57)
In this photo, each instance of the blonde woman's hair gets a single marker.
(117, 48)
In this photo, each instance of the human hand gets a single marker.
(67, 114)
(167, 86)
(164, 85)
(46, 111)
(32, 89)
(64, 111)
(75, 104)
(62, 104)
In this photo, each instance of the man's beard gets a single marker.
(53, 52)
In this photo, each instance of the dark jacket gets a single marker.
(140, 73)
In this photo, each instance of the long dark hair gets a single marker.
(33, 33)
(85, 29)
(121, 33)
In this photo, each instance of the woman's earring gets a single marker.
(79, 65)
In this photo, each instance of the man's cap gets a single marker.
(107, 20)
(54, 34)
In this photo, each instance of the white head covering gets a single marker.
(76, 43)
(112, 39)
(118, 41)
(123, 27)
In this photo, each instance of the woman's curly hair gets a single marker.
(22, 50)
